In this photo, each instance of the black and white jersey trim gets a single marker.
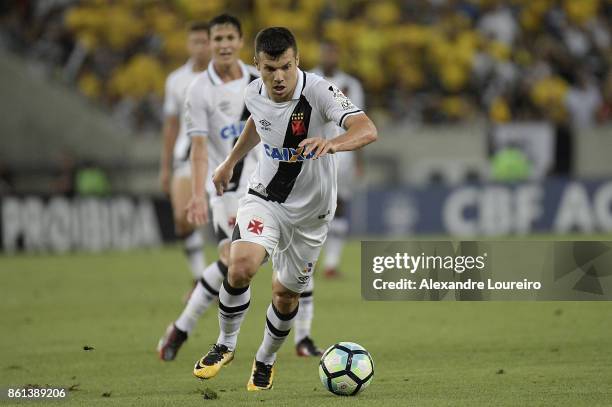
(347, 114)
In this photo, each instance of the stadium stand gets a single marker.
(427, 61)
(456, 88)
(464, 67)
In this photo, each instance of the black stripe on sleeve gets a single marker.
(347, 114)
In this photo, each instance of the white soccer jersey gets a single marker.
(174, 100)
(347, 160)
(216, 109)
(305, 188)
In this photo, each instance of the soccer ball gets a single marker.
(346, 369)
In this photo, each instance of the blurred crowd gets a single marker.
(428, 61)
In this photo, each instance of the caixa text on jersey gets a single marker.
(232, 130)
(287, 153)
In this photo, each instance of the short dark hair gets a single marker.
(222, 19)
(198, 26)
(274, 41)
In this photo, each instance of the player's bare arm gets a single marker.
(360, 131)
(170, 133)
(197, 208)
(246, 142)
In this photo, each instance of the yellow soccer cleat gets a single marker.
(217, 357)
(262, 377)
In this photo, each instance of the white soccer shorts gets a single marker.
(294, 249)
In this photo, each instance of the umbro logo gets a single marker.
(265, 125)
(225, 106)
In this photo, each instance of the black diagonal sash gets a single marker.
(283, 181)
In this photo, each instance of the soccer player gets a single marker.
(215, 115)
(220, 125)
(291, 196)
(350, 163)
(175, 171)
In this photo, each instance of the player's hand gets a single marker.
(197, 210)
(222, 176)
(164, 180)
(319, 145)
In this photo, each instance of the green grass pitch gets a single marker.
(425, 353)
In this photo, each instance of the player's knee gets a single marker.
(284, 301)
(241, 271)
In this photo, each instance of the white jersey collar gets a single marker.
(216, 79)
(189, 65)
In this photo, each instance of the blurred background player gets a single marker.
(350, 163)
(175, 171)
(215, 115)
